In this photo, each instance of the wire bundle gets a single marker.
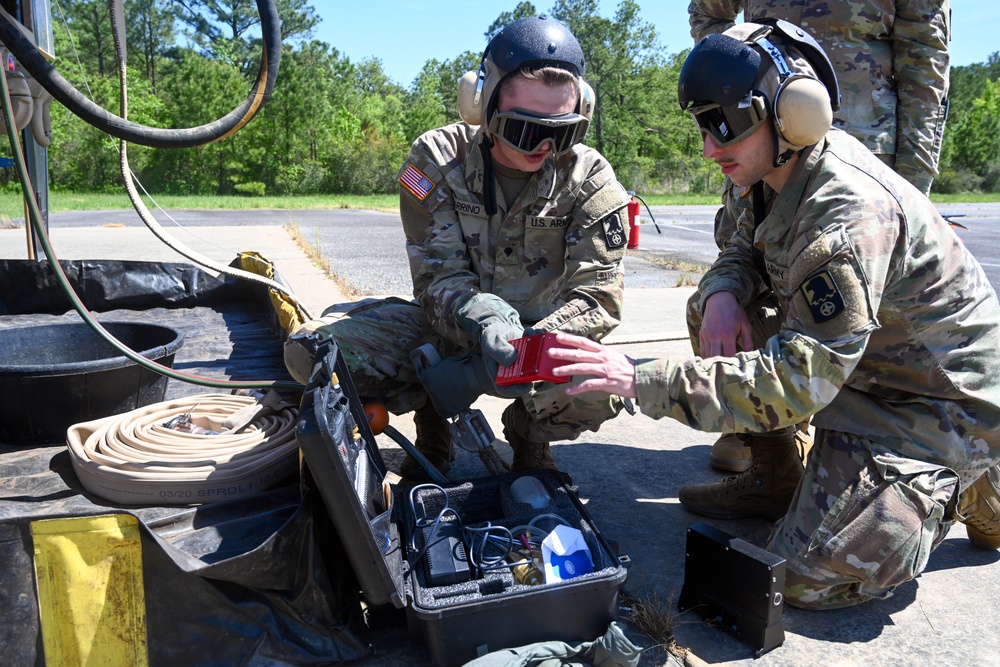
(488, 546)
(134, 458)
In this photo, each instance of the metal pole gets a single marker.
(37, 160)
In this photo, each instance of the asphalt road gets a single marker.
(366, 248)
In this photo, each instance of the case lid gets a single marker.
(340, 451)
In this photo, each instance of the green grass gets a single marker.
(967, 198)
(681, 200)
(12, 207)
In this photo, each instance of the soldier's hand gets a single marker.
(608, 370)
(494, 341)
(725, 327)
(494, 322)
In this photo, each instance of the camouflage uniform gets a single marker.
(890, 342)
(554, 254)
(892, 63)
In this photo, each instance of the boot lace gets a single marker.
(982, 524)
(743, 481)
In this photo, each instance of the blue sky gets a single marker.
(404, 34)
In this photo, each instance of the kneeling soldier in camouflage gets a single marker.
(889, 341)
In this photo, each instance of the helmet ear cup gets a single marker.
(802, 111)
(470, 97)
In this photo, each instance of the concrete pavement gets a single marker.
(629, 473)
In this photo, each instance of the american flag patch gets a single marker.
(414, 180)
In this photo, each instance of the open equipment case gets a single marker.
(466, 612)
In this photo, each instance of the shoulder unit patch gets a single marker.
(823, 297)
(614, 231)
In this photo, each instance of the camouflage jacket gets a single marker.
(892, 63)
(554, 254)
(891, 329)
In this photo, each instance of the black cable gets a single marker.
(64, 92)
(416, 454)
(489, 176)
(480, 538)
(647, 211)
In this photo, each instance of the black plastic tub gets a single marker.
(55, 375)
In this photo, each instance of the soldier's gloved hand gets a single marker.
(455, 383)
(448, 386)
(484, 370)
(493, 322)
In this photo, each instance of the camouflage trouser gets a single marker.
(375, 338)
(860, 523)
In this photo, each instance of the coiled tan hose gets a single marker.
(134, 459)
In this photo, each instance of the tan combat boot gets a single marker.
(979, 509)
(433, 441)
(730, 452)
(528, 454)
(803, 439)
(766, 489)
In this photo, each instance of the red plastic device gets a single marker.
(532, 364)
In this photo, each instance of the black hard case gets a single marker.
(457, 622)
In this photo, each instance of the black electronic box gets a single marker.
(736, 584)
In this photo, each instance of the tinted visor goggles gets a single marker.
(526, 132)
(729, 124)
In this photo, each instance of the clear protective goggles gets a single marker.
(526, 133)
(731, 123)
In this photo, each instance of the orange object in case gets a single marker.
(532, 364)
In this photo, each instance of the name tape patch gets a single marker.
(469, 208)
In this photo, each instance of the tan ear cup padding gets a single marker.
(802, 111)
(469, 108)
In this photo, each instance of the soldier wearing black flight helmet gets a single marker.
(887, 337)
(733, 82)
(512, 224)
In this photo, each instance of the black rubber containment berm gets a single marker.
(55, 375)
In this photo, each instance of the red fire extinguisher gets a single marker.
(633, 222)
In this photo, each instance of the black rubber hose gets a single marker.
(64, 92)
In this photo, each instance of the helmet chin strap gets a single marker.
(489, 177)
(780, 157)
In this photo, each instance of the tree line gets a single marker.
(333, 126)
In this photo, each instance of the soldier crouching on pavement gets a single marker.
(892, 62)
(890, 338)
(512, 225)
